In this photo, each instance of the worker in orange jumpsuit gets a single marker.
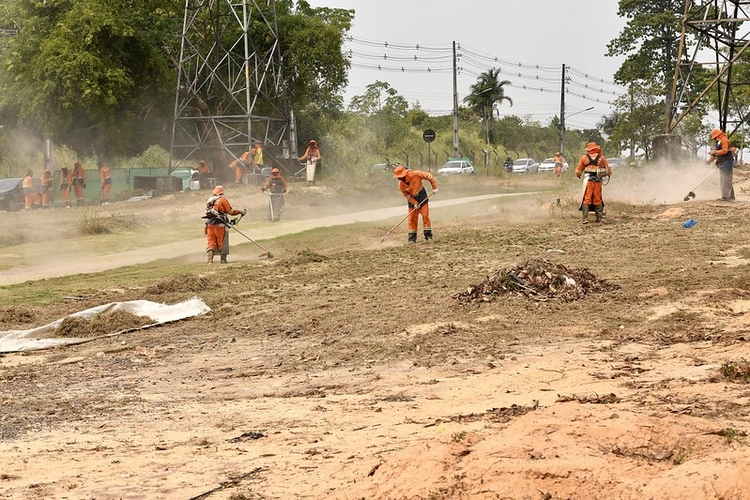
(723, 155)
(276, 186)
(240, 167)
(105, 176)
(591, 167)
(47, 180)
(257, 157)
(30, 196)
(558, 164)
(410, 184)
(79, 183)
(312, 156)
(66, 179)
(218, 210)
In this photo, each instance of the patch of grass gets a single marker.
(457, 437)
(680, 456)
(738, 371)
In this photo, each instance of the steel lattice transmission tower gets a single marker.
(718, 33)
(229, 88)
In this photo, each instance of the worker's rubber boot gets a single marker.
(428, 234)
(599, 213)
(412, 237)
(585, 211)
(210, 256)
(223, 258)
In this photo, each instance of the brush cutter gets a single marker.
(691, 194)
(407, 216)
(266, 253)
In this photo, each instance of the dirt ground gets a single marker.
(615, 365)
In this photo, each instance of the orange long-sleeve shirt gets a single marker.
(413, 185)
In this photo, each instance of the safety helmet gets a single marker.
(591, 146)
(715, 133)
(558, 154)
(218, 190)
(399, 172)
(275, 172)
(312, 141)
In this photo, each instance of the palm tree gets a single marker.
(485, 93)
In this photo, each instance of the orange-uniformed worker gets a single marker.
(724, 157)
(240, 166)
(257, 157)
(218, 210)
(46, 180)
(66, 179)
(410, 184)
(105, 176)
(203, 169)
(591, 167)
(276, 186)
(30, 196)
(312, 156)
(79, 183)
(558, 164)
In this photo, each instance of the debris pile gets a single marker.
(181, 283)
(538, 280)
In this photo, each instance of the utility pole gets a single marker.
(562, 110)
(455, 106)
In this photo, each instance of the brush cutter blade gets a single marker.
(689, 196)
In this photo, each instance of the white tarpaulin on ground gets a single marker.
(35, 338)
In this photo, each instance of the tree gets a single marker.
(484, 95)
(385, 108)
(89, 72)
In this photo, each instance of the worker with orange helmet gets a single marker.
(558, 164)
(312, 156)
(30, 196)
(723, 155)
(66, 180)
(592, 166)
(46, 180)
(79, 183)
(218, 210)
(410, 185)
(105, 176)
(240, 167)
(276, 187)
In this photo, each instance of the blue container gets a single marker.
(689, 223)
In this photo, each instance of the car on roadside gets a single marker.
(525, 166)
(383, 167)
(616, 162)
(548, 165)
(457, 166)
(11, 193)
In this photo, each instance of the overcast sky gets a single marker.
(528, 40)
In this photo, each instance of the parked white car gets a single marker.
(525, 166)
(548, 165)
(456, 167)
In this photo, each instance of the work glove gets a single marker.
(578, 175)
(84, 185)
(435, 190)
(262, 190)
(243, 211)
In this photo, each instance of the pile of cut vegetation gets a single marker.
(181, 283)
(537, 280)
(101, 324)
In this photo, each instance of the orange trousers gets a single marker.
(66, 196)
(239, 173)
(592, 195)
(413, 219)
(106, 188)
(30, 199)
(79, 194)
(47, 198)
(215, 237)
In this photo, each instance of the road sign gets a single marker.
(428, 135)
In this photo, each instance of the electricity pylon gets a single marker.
(229, 86)
(715, 35)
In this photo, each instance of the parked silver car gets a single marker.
(525, 166)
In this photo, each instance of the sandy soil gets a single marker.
(344, 368)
